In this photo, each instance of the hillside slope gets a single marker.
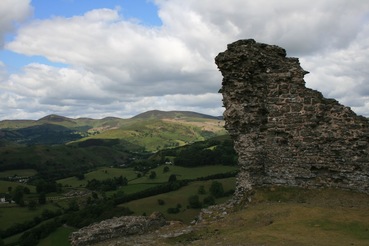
(152, 130)
(275, 216)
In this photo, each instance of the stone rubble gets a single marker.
(124, 226)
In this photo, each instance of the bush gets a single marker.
(194, 201)
(208, 201)
(165, 169)
(201, 190)
(173, 210)
(216, 189)
(152, 175)
(172, 178)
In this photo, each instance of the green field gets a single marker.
(140, 184)
(132, 188)
(99, 174)
(5, 184)
(10, 215)
(57, 238)
(19, 173)
(184, 173)
(171, 199)
(131, 175)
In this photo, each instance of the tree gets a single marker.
(216, 189)
(42, 198)
(8, 198)
(194, 201)
(18, 196)
(28, 239)
(73, 205)
(165, 169)
(46, 214)
(95, 196)
(172, 178)
(32, 205)
(120, 181)
(26, 190)
(201, 190)
(152, 175)
(80, 176)
(208, 201)
(47, 187)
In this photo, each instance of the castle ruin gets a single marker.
(285, 133)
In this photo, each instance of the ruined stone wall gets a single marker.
(285, 133)
(124, 226)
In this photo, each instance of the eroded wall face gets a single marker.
(285, 133)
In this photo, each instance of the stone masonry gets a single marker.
(285, 133)
(124, 226)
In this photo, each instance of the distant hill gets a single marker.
(40, 134)
(152, 130)
(55, 118)
(157, 114)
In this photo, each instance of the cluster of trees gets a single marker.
(163, 188)
(33, 236)
(212, 152)
(43, 186)
(18, 196)
(98, 210)
(62, 161)
(74, 215)
(106, 184)
(207, 153)
(216, 190)
(20, 227)
(174, 210)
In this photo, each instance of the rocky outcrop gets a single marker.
(117, 227)
(285, 133)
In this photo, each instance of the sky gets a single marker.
(99, 58)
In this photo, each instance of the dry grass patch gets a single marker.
(323, 217)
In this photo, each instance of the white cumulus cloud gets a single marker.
(11, 13)
(116, 66)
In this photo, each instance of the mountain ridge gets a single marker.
(146, 114)
(172, 114)
(153, 130)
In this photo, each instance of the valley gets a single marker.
(178, 164)
(59, 174)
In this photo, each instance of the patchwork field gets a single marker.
(179, 197)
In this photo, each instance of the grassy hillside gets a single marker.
(156, 134)
(153, 130)
(172, 199)
(276, 216)
(157, 114)
(293, 216)
(55, 162)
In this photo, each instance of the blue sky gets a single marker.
(143, 11)
(98, 58)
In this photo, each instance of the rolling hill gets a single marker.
(152, 130)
